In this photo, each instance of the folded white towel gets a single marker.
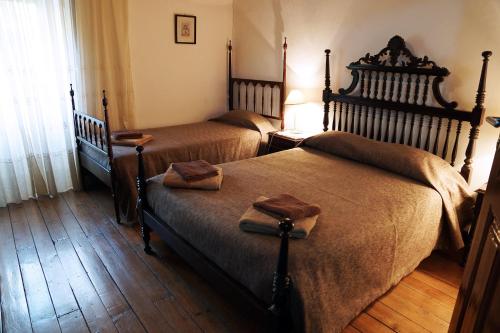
(254, 220)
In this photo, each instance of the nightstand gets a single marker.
(470, 231)
(283, 140)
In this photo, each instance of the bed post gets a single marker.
(109, 150)
(327, 91)
(283, 88)
(282, 282)
(142, 200)
(230, 77)
(477, 119)
(77, 134)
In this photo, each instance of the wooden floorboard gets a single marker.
(40, 304)
(66, 266)
(14, 308)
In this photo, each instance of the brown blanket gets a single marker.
(410, 162)
(218, 141)
(286, 205)
(195, 170)
(375, 227)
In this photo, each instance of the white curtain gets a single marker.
(37, 56)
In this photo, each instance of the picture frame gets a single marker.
(185, 29)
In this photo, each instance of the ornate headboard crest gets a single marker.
(397, 54)
(397, 58)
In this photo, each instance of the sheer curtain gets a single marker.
(37, 153)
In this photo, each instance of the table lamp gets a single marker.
(294, 99)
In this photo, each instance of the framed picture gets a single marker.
(185, 29)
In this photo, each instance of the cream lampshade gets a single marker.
(295, 97)
(294, 102)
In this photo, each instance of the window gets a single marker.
(37, 54)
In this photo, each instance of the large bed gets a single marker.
(256, 108)
(386, 202)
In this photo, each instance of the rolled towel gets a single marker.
(120, 135)
(195, 170)
(173, 179)
(254, 220)
(286, 205)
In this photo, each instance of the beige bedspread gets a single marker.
(235, 136)
(375, 228)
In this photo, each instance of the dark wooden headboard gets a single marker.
(395, 97)
(266, 98)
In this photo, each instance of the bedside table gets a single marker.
(283, 140)
(469, 233)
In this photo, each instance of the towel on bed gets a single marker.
(195, 170)
(286, 205)
(175, 180)
(254, 220)
(120, 135)
(133, 142)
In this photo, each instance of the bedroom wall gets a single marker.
(177, 83)
(451, 32)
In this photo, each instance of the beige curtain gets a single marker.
(102, 36)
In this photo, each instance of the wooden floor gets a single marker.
(65, 266)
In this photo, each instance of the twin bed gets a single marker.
(387, 200)
(256, 108)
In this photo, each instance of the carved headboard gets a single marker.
(395, 97)
(266, 98)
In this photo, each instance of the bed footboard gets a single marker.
(277, 314)
(94, 135)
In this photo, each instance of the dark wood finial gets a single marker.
(327, 91)
(283, 92)
(229, 77)
(72, 94)
(481, 89)
(104, 99)
(477, 118)
(327, 70)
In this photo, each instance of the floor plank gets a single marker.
(105, 288)
(368, 324)
(62, 296)
(93, 310)
(189, 289)
(109, 284)
(14, 308)
(41, 308)
(202, 315)
(393, 319)
(73, 322)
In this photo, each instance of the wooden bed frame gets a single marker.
(388, 62)
(95, 134)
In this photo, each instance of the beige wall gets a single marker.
(176, 83)
(451, 32)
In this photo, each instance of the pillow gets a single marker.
(247, 119)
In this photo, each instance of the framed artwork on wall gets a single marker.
(185, 29)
